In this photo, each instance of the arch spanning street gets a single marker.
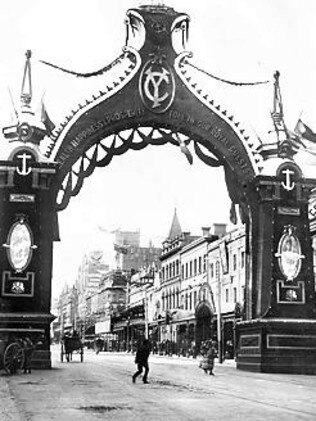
(154, 99)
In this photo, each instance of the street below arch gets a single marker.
(102, 388)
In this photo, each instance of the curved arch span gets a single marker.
(102, 153)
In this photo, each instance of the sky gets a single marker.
(239, 40)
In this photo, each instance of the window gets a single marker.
(235, 295)
(195, 267)
(195, 298)
(200, 264)
(191, 268)
(242, 259)
(234, 261)
(190, 301)
(204, 263)
(212, 270)
(186, 270)
(227, 295)
(182, 271)
(217, 273)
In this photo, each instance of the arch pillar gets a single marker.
(279, 330)
(28, 229)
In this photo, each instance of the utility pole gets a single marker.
(146, 312)
(62, 319)
(219, 317)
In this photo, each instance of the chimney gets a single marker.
(205, 231)
(219, 229)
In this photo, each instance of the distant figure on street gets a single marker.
(75, 334)
(28, 353)
(207, 363)
(98, 345)
(141, 359)
(203, 348)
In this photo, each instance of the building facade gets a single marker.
(198, 293)
(192, 293)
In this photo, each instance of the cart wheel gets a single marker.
(13, 358)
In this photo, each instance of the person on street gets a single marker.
(28, 347)
(203, 348)
(98, 345)
(207, 363)
(141, 359)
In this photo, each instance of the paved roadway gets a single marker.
(101, 388)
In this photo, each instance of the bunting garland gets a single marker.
(96, 73)
(228, 81)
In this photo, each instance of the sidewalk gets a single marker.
(225, 363)
(8, 408)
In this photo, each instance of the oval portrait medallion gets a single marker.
(19, 245)
(289, 254)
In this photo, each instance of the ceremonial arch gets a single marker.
(154, 99)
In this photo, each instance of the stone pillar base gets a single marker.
(41, 359)
(277, 346)
(33, 325)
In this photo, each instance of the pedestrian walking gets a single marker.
(207, 363)
(141, 359)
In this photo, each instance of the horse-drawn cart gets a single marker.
(16, 348)
(70, 345)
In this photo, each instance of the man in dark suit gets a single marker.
(141, 359)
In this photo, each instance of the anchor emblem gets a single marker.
(24, 169)
(289, 184)
(157, 86)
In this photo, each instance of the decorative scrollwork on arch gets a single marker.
(101, 154)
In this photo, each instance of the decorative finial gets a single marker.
(285, 146)
(29, 128)
(26, 90)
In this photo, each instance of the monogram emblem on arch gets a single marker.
(157, 86)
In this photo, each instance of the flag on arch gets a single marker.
(304, 131)
(307, 136)
(49, 125)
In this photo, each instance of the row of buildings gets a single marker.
(190, 290)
